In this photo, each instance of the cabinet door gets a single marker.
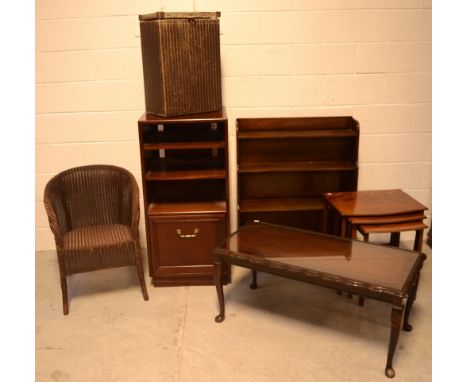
(183, 248)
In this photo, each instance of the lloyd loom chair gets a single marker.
(93, 213)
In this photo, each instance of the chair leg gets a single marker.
(141, 275)
(63, 284)
(418, 240)
(366, 237)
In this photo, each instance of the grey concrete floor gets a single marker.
(283, 331)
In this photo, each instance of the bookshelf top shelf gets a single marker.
(281, 134)
(214, 116)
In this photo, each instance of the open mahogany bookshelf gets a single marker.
(184, 165)
(286, 164)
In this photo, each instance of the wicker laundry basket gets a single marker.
(181, 62)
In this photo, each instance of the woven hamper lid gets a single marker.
(179, 15)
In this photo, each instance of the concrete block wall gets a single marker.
(366, 58)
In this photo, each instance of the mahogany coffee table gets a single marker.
(370, 270)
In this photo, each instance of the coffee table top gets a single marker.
(373, 203)
(324, 259)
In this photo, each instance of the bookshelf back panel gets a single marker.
(296, 150)
(183, 132)
(186, 190)
(293, 184)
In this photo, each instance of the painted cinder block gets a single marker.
(89, 65)
(55, 9)
(175, 6)
(406, 148)
(256, 60)
(408, 87)
(410, 25)
(44, 239)
(87, 127)
(211, 6)
(427, 4)
(419, 176)
(388, 4)
(386, 57)
(305, 91)
(424, 57)
(370, 148)
(278, 27)
(242, 91)
(240, 28)
(422, 117)
(339, 26)
(87, 33)
(41, 216)
(59, 157)
(378, 119)
(276, 91)
(308, 5)
(90, 96)
(383, 176)
(354, 90)
(324, 59)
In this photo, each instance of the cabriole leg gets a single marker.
(412, 296)
(219, 289)
(394, 334)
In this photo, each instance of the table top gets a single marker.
(322, 259)
(373, 203)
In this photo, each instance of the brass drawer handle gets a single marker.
(188, 236)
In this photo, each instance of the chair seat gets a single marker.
(98, 247)
(97, 236)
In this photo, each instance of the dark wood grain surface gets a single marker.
(285, 164)
(324, 257)
(375, 202)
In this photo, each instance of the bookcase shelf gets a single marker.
(296, 166)
(183, 145)
(286, 164)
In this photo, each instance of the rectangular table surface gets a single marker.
(321, 257)
(373, 203)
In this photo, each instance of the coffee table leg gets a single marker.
(394, 334)
(344, 227)
(325, 218)
(412, 296)
(253, 285)
(418, 240)
(219, 289)
(395, 239)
